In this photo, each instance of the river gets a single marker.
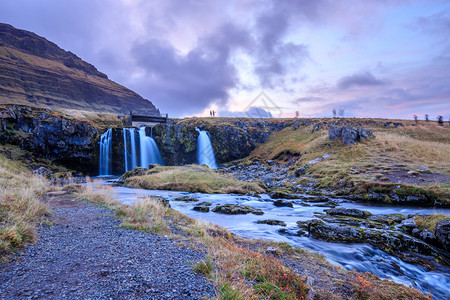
(362, 257)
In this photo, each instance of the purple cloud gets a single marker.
(360, 79)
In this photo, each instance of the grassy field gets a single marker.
(21, 206)
(191, 178)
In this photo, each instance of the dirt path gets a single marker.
(84, 255)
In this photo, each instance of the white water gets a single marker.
(130, 157)
(105, 162)
(205, 151)
(362, 257)
(149, 150)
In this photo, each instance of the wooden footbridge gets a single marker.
(148, 119)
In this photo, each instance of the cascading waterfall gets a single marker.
(105, 164)
(129, 142)
(205, 151)
(149, 150)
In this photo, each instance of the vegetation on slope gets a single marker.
(376, 160)
(21, 206)
(191, 178)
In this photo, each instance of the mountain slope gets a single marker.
(34, 71)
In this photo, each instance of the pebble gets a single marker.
(92, 258)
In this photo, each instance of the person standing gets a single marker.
(214, 113)
(210, 114)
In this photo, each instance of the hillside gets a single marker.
(36, 72)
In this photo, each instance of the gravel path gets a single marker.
(85, 256)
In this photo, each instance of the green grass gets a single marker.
(192, 178)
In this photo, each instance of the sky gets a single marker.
(372, 58)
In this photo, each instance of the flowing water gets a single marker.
(205, 151)
(129, 142)
(105, 162)
(362, 257)
(149, 150)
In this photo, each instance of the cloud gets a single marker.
(189, 82)
(360, 79)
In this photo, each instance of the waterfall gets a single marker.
(205, 151)
(105, 165)
(129, 143)
(149, 150)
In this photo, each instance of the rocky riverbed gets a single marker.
(84, 255)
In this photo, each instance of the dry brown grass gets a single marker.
(21, 206)
(429, 222)
(192, 178)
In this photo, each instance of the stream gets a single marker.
(362, 257)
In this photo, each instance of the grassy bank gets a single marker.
(393, 151)
(241, 268)
(21, 206)
(191, 178)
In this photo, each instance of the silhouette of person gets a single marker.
(210, 114)
(415, 119)
(214, 113)
(440, 121)
(427, 117)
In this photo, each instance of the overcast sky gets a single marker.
(372, 58)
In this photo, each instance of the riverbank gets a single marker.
(244, 267)
(83, 253)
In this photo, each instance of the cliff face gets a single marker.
(70, 142)
(36, 72)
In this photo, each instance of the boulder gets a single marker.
(350, 212)
(202, 206)
(315, 161)
(272, 222)
(236, 209)
(427, 236)
(281, 203)
(301, 171)
(283, 195)
(186, 199)
(442, 233)
(349, 135)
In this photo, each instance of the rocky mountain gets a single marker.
(36, 72)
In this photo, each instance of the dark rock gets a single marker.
(202, 206)
(272, 250)
(349, 134)
(283, 195)
(186, 199)
(351, 212)
(280, 203)
(235, 209)
(442, 233)
(69, 142)
(427, 236)
(271, 222)
(301, 171)
(43, 172)
(334, 133)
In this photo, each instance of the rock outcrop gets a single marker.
(37, 72)
(349, 135)
(69, 142)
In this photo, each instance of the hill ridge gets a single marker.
(37, 72)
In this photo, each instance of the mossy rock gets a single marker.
(236, 209)
(272, 222)
(186, 199)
